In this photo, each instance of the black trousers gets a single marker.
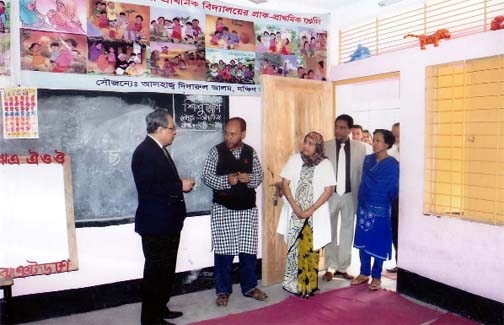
(158, 276)
(395, 224)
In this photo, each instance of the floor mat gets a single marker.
(351, 305)
(452, 319)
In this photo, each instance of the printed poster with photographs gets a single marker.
(180, 46)
(19, 113)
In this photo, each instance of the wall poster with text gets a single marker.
(178, 46)
(20, 113)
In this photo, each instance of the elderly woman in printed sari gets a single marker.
(378, 189)
(308, 181)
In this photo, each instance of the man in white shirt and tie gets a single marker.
(346, 156)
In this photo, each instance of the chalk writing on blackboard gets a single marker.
(201, 112)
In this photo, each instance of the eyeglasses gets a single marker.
(169, 128)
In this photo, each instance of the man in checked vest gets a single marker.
(233, 171)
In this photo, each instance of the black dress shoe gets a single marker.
(165, 322)
(171, 314)
(161, 322)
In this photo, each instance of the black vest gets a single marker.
(239, 196)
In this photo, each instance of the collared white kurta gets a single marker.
(233, 231)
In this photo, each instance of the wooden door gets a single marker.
(291, 109)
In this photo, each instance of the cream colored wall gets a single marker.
(446, 250)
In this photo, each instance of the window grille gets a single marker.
(386, 33)
(464, 140)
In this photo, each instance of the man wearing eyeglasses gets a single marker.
(160, 214)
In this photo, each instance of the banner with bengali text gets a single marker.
(173, 46)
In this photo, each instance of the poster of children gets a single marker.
(116, 57)
(277, 65)
(229, 34)
(53, 52)
(177, 61)
(276, 39)
(230, 66)
(277, 50)
(177, 43)
(68, 16)
(177, 40)
(177, 26)
(313, 53)
(117, 21)
(5, 64)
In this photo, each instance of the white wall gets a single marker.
(372, 104)
(462, 254)
(112, 254)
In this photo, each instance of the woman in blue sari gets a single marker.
(379, 187)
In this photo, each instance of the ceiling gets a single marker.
(305, 6)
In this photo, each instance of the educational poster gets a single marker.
(277, 49)
(68, 16)
(117, 21)
(230, 66)
(53, 51)
(118, 35)
(177, 46)
(229, 34)
(19, 113)
(313, 53)
(230, 50)
(5, 64)
(177, 43)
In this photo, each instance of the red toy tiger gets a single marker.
(497, 23)
(431, 39)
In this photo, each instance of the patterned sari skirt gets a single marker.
(301, 274)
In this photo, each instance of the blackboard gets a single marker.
(100, 131)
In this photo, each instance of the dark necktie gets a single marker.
(170, 161)
(341, 172)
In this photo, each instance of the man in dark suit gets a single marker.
(160, 214)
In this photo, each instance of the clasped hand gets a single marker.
(233, 179)
(303, 214)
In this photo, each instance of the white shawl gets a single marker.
(323, 176)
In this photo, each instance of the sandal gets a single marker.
(360, 279)
(375, 284)
(222, 300)
(256, 294)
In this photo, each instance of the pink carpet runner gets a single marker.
(351, 305)
(451, 319)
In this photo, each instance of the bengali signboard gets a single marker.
(175, 46)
